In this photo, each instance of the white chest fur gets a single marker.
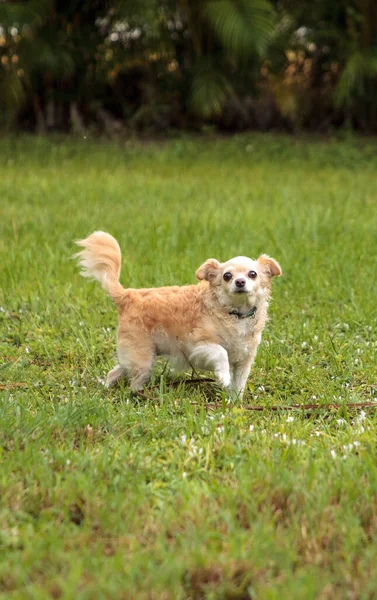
(242, 340)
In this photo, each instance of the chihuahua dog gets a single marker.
(215, 325)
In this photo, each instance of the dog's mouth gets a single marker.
(240, 291)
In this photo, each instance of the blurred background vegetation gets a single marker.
(117, 66)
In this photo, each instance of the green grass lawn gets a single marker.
(107, 496)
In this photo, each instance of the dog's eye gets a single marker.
(252, 274)
(227, 276)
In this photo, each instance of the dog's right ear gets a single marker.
(209, 270)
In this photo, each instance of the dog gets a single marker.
(215, 325)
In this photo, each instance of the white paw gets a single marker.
(224, 379)
(114, 375)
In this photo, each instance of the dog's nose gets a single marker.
(240, 283)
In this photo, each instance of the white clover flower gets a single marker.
(290, 419)
(333, 453)
(362, 415)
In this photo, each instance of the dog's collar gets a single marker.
(249, 315)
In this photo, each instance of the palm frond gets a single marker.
(242, 26)
(209, 91)
(12, 96)
(141, 10)
(41, 55)
(360, 66)
(31, 13)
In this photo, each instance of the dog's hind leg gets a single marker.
(137, 362)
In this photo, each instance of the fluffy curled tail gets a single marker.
(101, 260)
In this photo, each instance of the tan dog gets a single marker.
(215, 325)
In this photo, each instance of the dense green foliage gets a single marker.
(103, 496)
(150, 65)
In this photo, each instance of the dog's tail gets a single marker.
(101, 260)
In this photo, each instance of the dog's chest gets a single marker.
(239, 340)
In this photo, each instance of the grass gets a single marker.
(103, 496)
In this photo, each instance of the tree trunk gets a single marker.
(40, 123)
(77, 124)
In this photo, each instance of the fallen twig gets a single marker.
(193, 380)
(304, 407)
(351, 405)
(4, 386)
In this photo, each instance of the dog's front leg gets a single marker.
(115, 374)
(212, 357)
(240, 374)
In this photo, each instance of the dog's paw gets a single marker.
(224, 379)
(114, 375)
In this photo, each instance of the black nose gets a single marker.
(240, 283)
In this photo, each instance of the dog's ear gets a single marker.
(270, 266)
(209, 270)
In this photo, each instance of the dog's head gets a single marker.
(240, 278)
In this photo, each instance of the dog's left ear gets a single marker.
(209, 270)
(270, 266)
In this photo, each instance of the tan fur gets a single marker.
(101, 259)
(190, 324)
